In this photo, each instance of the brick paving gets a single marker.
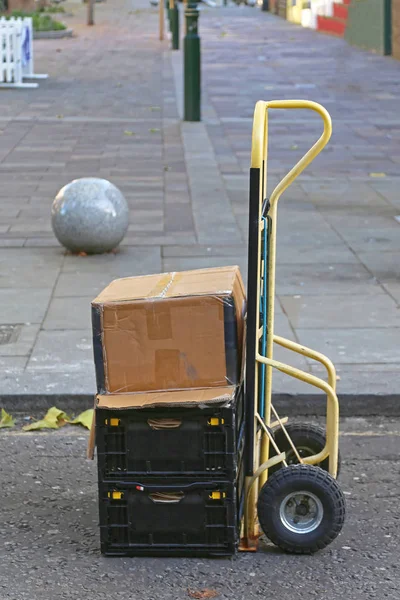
(110, 108)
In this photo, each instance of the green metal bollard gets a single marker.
(168, 9)
(192, 66)
(175, 26)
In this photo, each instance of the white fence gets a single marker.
(16, 53)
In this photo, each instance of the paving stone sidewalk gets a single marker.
(111, 107)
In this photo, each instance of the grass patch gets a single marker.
(53, 9)
(41, 20)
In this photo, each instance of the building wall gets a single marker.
(282, 8)
(396, 28)
(369, 25)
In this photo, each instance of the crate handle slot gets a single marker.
(167, 488)
(166, 498)
(158, 424)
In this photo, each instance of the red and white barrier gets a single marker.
(322, 8)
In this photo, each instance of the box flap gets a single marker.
(171, 285)
(187, 398)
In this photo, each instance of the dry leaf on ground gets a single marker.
(6, 420)
(85, 419)
(53, 419)
(203, 593)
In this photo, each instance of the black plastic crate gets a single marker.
(170, 519)
(178, 442)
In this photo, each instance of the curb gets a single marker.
(350, 405)
(362, 405)
(52, 35)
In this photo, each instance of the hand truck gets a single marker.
(291, 469)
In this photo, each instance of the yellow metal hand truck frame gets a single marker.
(300, 505)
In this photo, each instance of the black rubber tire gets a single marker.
(303, 436)
(301, 478)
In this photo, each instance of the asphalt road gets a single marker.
(49, 545)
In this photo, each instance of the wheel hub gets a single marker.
(302, 509)
(301, 512)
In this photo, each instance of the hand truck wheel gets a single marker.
(308, 440)
(301, 509)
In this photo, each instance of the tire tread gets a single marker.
(306, 430)
(267, 502)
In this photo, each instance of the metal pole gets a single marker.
(192, 66)
(185, 5)
(161, 19)
(168, 6)
(175, 25)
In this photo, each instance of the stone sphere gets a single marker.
(90, 215)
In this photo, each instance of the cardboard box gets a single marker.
(169, 331)
(167, 399)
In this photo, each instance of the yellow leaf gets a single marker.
(127, 132)
(294, 147)
(42, 424)
(85, 419)
(6, 420)
(53, 419)
(377, 174)
(154, 130)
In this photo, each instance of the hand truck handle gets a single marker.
(260, 137)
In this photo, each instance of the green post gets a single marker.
(175, 26)
(167, 6)
(192, 68)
